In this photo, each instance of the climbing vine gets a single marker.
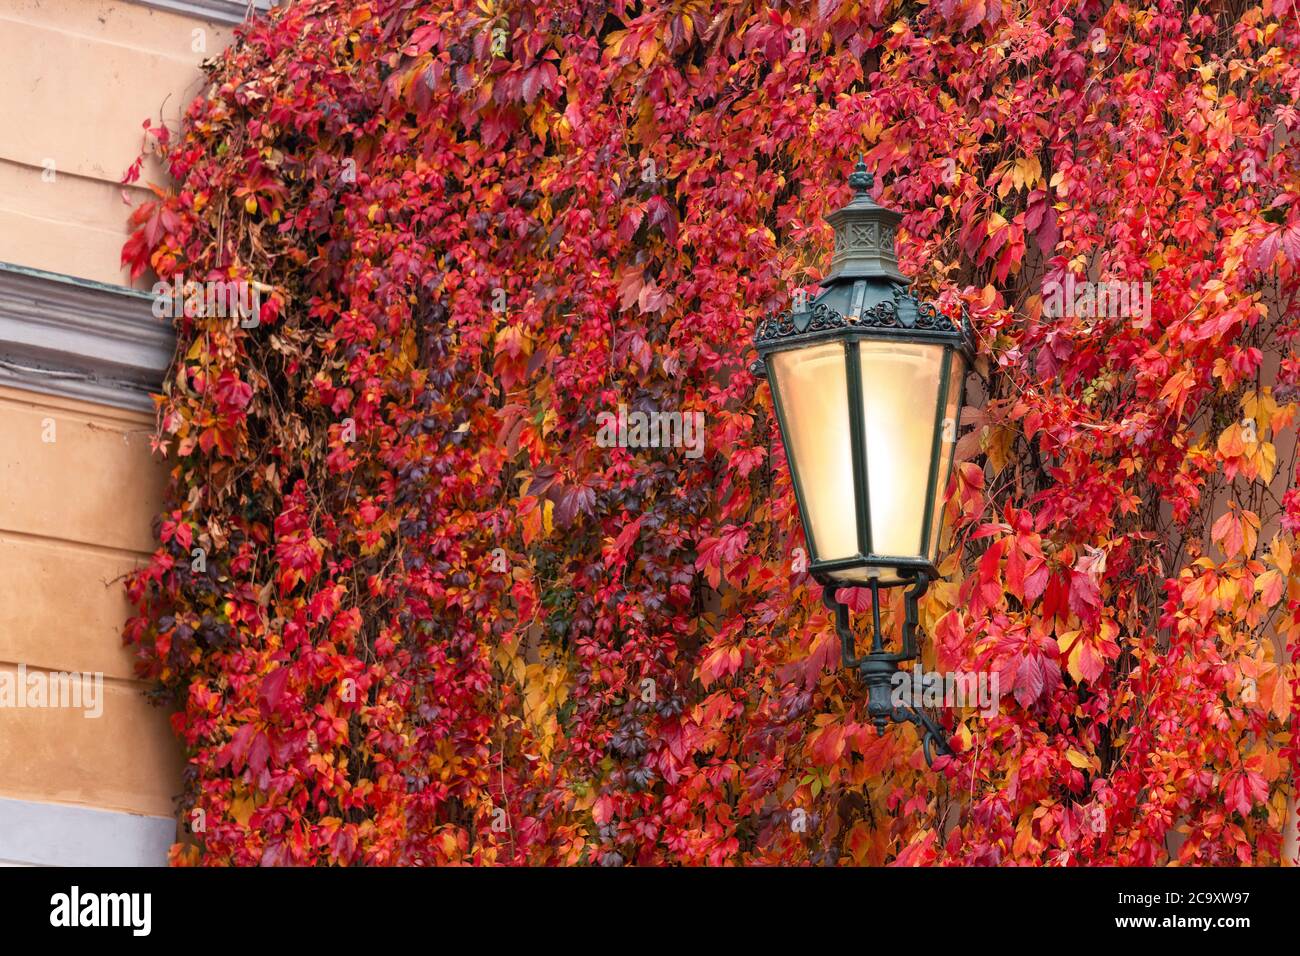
(409, 609)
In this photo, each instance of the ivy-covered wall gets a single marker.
(413, 610)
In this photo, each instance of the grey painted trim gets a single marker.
(213, 11)
(81, 339)
(55, 834)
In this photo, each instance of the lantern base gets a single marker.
(878, 668)
(877, 672)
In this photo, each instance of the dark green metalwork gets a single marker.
(858, 448)
(878, 667)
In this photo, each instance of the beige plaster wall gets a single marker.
(78, 489)
(77, 80)
(80, 77)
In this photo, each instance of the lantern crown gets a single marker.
(865, 234)
(864, 288)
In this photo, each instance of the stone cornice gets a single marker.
(213, 11)
(53, 834)
(80, 339)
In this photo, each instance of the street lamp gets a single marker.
(867, 382)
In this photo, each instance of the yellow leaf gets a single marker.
(540, 123)
(1231, 442)
(964, 735)
(1028, 171)
(548, 511)
(1270, 585)
(1265, 460)
(649, 50)
(1260, 408)
(241, 808)
(1071, 645)
(997, 445)
(1281, 552)
(1078, 759)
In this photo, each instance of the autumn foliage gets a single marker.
(434, 621)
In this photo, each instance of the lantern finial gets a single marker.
(861, 179)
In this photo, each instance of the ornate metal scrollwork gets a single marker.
(781, 325)
(904, 311)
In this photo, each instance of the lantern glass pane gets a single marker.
(900, 396)
(812, 389)
(947, 446)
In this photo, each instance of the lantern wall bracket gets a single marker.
(878, 667)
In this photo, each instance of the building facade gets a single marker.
(89, 769)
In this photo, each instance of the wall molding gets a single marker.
(59, 834)
(81, 339)
(213, 11)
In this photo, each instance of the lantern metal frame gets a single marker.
(865, 297)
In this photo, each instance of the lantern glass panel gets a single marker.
(812, 395)
(947, 447)
(900, 396)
